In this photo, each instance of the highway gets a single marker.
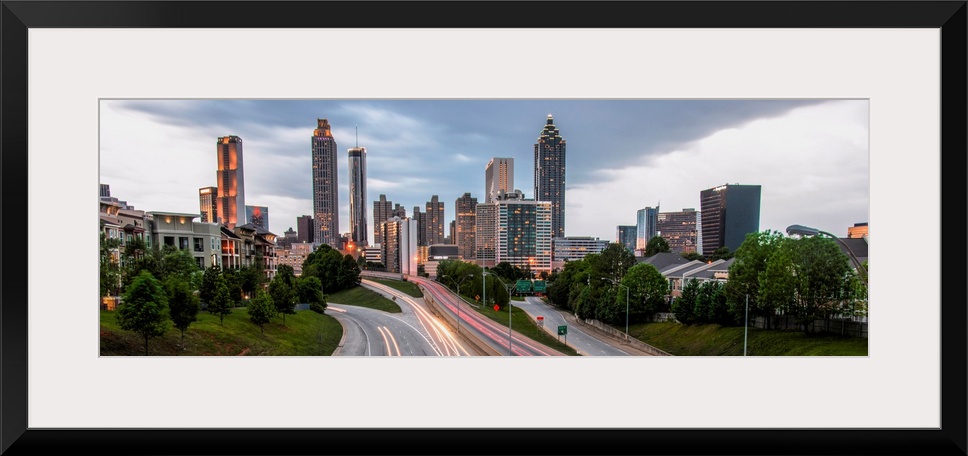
(576, 338)
(493, 334)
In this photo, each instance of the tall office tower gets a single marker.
(258, 216)
(399, 211)
(729, 213)
(681, 230)
(859, 230)
(465, 225)
(645, 225)
(358, 228)
(421, 219)
(231, 185)
(626, 235)
(325, 186)
(485, 235)
(523, 231)
(498, 176)
(382, 211)
(451, 238)
(305, 228)
(549, 174)
(435, 221)
(399, 246)
(104, 191)
(208, 204)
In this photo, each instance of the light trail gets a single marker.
(450, 344)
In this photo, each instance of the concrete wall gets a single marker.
(609, 331)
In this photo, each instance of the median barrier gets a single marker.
(451, 320)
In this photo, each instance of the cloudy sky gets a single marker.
(809, 156)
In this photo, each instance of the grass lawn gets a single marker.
(407, 287)
(306, 333)
(364, 297)
(522, 323)
(715, 340)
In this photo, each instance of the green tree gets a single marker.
(309, 290)
(177, 263)
(722, 253)
(349, 273)
(283, 297)
(222, 303)
(182, 303)
(287, 274)
(806, 278)
(144, 308)
(684, 307)
(233, 283)
(647, 292)
(693, 256)
(110, 269)
(261, 310)
(209, 281)
(752, 258)
(251, 278)
(612, 263)
(656, 245)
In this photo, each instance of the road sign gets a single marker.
(497, 307)
(477, 297)
(562, 330)
(540, 320)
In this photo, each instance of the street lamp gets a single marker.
(509, 288)
(807, 231)
(615, 282)
(458, 296)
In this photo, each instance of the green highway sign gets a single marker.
(562, 330)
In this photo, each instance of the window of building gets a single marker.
(199, 245)
(170, 240)
(183, 243)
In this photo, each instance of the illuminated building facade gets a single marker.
(520, 230)
(435, 221)
(681, 230)
(498, 177)
(465, 226)
(359, 231)
(729, 213)
(325, 186)
(208, 204)
(258, 216)
(231, 185)
(399, 247)
(382, 211)
(646, 220)
(549, 174)
(626, 235)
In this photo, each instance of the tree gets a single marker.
(349, 273)
(182, 303)
(261, 310)
(721, 253)
(752, 258)
(177, 263)
(110, 270)
(806, 278)
(287, 274)
(684, 307)
(222, 302)
(251, 278)
(647, 291)
(209, 282)
(309, 290)
(656, 245)
(233, 282)
(144, 308)
(693, 256)
(282, 297)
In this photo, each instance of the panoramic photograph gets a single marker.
(483, 227)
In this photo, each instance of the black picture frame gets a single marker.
(17, 17)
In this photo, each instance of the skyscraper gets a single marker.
(304, 228)
(626, 235)
(645, 225)
(399, 211)
(208, 204)
(421, 219)
(729, 213)
(358, 227)
(382, 211)
(549, 174)
(231, 185)
(498, 176)
(258, 216)
(399, 246)
(464, 226)
(519, 230)
(435, 221)
(325, 186)
(681, 230)
(104, 191)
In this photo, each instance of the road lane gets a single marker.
(581, 341)
(371, 332)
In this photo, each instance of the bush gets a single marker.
(317, 307)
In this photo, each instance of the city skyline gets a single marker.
(809, 156)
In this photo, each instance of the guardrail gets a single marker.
(451, 320)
